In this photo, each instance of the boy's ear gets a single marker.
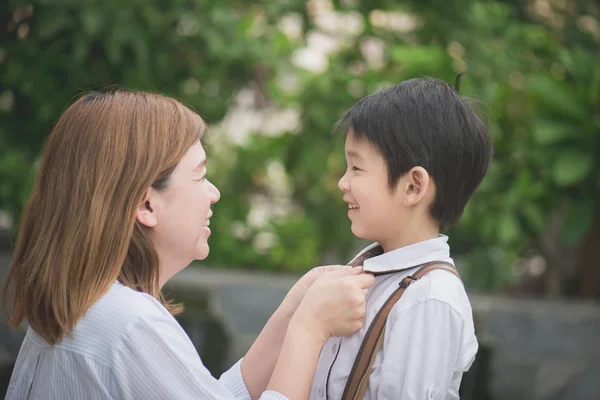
(415, 185)
(146, 210)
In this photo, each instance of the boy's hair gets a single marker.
(425, 122)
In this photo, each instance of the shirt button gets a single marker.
(321, 392)
(334, 348)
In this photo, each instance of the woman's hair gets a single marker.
(78, 232)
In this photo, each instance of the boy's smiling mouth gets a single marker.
(351, 205)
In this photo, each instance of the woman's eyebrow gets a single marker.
(200, 166)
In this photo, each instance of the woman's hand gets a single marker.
(258, 365)
(334, 305)
(296, 294)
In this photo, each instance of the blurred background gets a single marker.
(271, 78)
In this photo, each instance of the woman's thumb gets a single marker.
(332, 268)
(343, 270)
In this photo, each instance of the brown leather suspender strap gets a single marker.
(357, 382)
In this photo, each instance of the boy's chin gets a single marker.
(361, 234)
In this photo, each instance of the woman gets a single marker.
(120, 204)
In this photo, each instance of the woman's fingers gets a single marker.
(366, 280)
(335, 304)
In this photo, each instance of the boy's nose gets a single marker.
(344, 184)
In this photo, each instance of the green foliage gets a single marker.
(540, 88)
(538, 81)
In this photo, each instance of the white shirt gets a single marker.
(429, 339)
(127, 346)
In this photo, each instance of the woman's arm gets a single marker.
(295, 368)
(333, 306)
(258, 364)
(154, 358)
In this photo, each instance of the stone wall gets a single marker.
(531, 349)
(541, 349)
(10, 340)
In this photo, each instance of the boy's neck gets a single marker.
(410, 236)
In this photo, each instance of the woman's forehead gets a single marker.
(193, 161)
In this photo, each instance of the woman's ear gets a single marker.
(146, 211)
(415, 185)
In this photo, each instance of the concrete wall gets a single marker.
(10, 340)
(531, 349)
(541, 349)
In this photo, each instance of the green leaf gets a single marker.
(557, 96)
(534, 216)
(548, 132)
(92, 21)
(572, 167)
(508, 228)
(577, 221)
(580, 64)
(413, 58)
(595, 86)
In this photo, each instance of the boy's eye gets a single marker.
(356, 169)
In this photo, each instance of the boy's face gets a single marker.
(376, 212)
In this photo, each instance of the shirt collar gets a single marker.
(408, 256)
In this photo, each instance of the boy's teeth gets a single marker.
(352, 206)
(207, 222)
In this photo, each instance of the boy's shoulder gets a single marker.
(437, 286)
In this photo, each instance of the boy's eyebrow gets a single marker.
(353, 154)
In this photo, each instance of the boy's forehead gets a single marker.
(356, 147)
(352, 140)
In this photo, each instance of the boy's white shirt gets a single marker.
(429, 340)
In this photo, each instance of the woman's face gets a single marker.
(180, 214)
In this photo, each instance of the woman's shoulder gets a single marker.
(121, 306)
(123, 301)
(107, 320)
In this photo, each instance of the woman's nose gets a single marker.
(216, 195)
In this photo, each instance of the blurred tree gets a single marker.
(535, 65)
(50, 51)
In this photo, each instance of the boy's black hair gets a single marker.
(425, 122)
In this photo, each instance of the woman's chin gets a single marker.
(202, 252)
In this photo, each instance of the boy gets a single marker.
(416, 152)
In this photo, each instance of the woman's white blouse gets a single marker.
(127, 346)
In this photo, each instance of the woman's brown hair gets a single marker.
(78, 232)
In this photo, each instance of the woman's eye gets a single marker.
(356, 169)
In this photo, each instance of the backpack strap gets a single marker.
(357, 382)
